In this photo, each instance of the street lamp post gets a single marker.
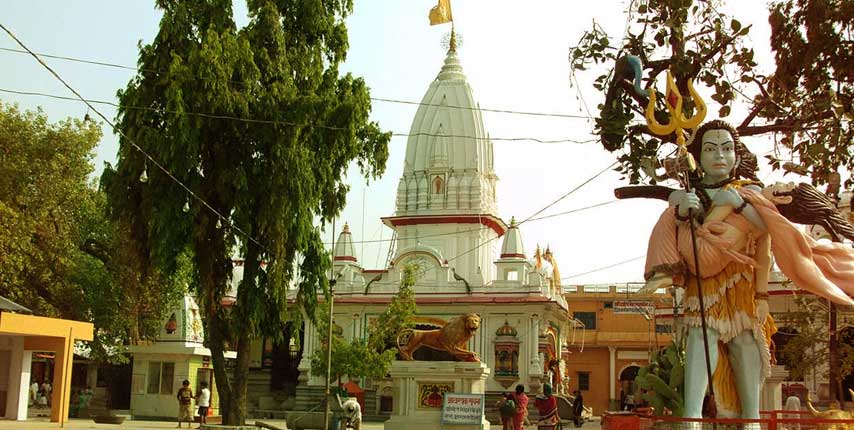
(329, 354)
(332, 282)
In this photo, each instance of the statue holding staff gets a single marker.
(716, 241)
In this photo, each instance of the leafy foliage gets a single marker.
(370, 357)
(264, 180)
(61, 256)
(383, 331)
(807, 347)
(806, 103)
(664, 379)
(813, 85)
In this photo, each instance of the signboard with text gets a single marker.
(462, 408)
(643, 307)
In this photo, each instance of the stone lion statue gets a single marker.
(453, 338)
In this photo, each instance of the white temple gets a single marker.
(446, 222)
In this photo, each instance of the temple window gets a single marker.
(511, 275)
(583, 380)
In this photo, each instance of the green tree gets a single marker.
(806, 103)
(371, 357)
(59, 254)
(43, 185)
(264, 181)
(806, 347)
(813, 86)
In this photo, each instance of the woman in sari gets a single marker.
(547, 408)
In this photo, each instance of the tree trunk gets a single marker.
(217, 347)
(237, 408)
(213, 267)
(244, 333)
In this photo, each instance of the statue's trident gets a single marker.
(685, 163)
(678, 122)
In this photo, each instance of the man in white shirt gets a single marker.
(34, 393)
(203, 401)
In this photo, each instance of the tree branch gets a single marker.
(95, 249)
(793, 124)
(755, 111)
(695, 69)
(629, 88)
(656, 67)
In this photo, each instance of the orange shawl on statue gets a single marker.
(824, 269)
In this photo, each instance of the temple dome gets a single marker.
(506, 330)
(344, 251)
(448, 166)
(449, 104)
(512, 247)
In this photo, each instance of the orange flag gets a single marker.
(441, 13)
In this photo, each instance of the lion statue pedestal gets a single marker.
(419, 387)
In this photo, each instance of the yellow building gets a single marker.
(20, 336)
(616, 331)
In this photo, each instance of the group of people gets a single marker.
(185, 403)
(513, 408)
(40, 394)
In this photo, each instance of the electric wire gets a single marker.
(153, 161)
(529, 218)
(569, 193)
(185, 187)
(571, 211)
(290, 124)
(379, 99)
(599, 269)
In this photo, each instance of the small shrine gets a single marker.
(506, 355)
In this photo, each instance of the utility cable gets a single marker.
(166, 171)
(483, 228)
(88, 102)
(599, 269)
(530, 218)
(568, 193)
(379, 99)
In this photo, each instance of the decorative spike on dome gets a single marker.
(344, 250)
(506, 330)
(512, 246)
(439, 156)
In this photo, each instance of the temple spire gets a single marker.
(452, 46)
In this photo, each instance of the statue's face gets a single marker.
(717, 155)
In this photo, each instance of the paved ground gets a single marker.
(81, 424)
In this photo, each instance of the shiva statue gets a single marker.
(736, 228)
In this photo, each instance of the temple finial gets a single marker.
(452, 46)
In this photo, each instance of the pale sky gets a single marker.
(514, 55)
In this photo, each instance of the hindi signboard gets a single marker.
(642, 307)
(463, 408)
